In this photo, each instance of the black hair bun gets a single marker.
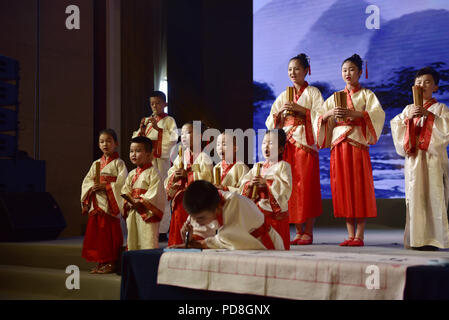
(303, 59)
(355, 58)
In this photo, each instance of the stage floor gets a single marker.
(20, 262)
(377, 241)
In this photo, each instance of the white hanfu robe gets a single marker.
(231, 174)
(242, 226)
(279, 186)
(364, 132)
(144, 185)
(273, 200)
(114, 174)
(303, 134)
(423, 143)
(164, 140)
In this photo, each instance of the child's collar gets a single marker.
(269, 163)
(144, 167)
(161, 115)
(105, 160)
(225, 163)
(354, 89)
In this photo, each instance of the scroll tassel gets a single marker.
(366, 69)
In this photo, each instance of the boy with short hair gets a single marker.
(145, 197)
(161, 129)
(242, 225)
(421, 135)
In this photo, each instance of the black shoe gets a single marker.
(426, 248)
(163, 237)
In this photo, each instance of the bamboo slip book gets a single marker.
(340, 101)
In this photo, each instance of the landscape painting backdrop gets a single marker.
(411, 35)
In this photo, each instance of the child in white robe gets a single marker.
(163, 132)
(145, 197)
(421, 135)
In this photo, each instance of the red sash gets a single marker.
(348, 122)
(263, 233)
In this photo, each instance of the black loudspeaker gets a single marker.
(9, 68)
(8, 119)
(29, 216)
(8, 94)
(8, 145)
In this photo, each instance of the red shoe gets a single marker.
(356, 243)
(303, 242)
(296, 239)
(346, 242)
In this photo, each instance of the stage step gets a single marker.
(56, 254)
(36, 270)
(19, 282)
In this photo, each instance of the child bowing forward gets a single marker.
(241, 224)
